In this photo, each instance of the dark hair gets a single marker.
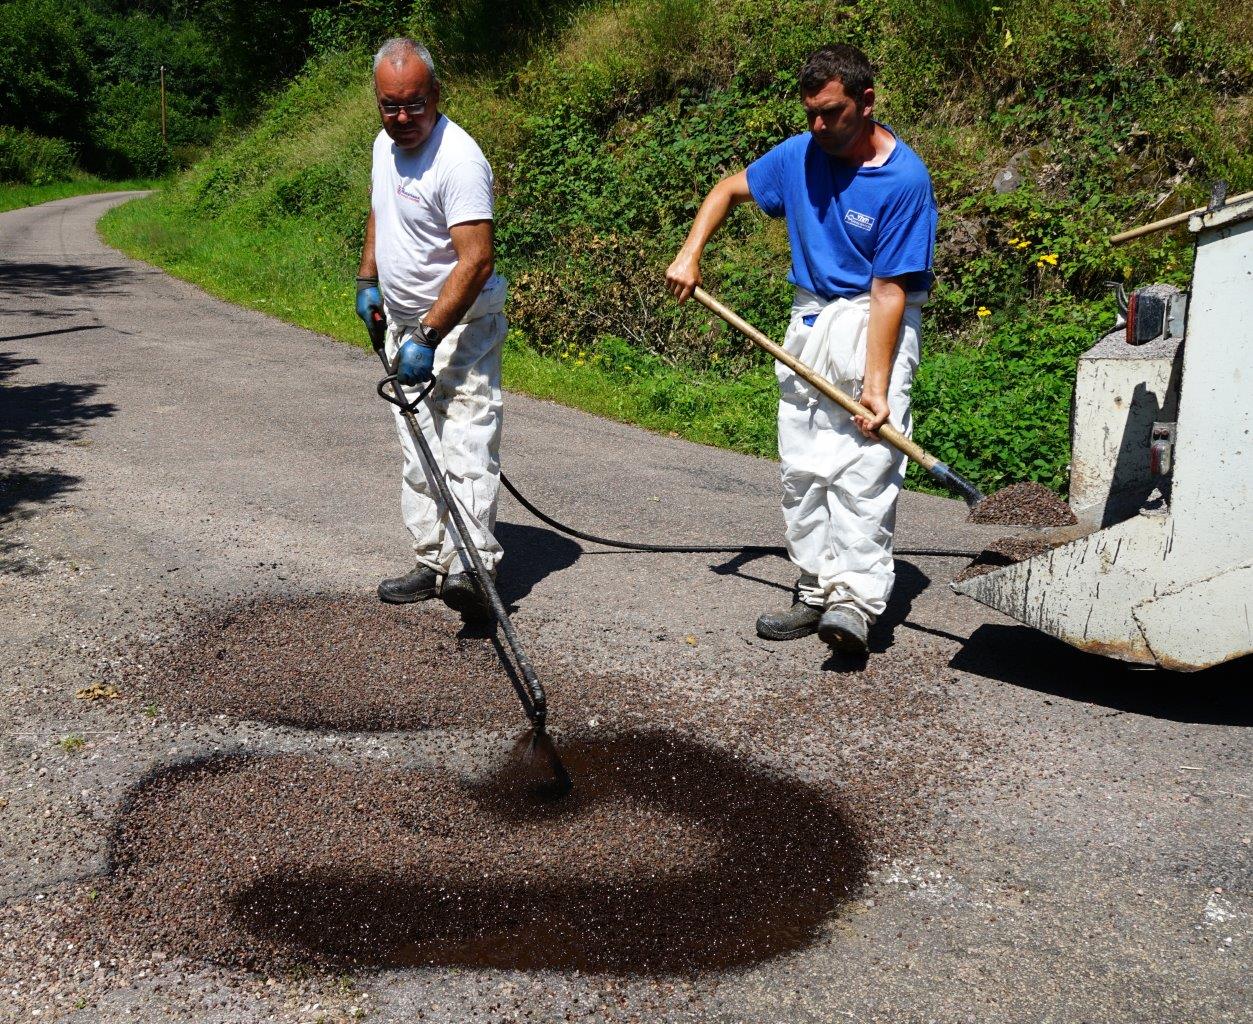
(838, 60)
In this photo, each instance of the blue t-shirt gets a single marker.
(846, 224)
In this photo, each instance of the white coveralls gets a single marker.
(839, 488)
(417, 197)
(461, 420)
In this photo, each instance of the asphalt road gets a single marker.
(1080, 854)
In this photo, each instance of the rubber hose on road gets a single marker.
(744, 549)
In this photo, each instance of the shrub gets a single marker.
(1000, 412)
(30, 159)
(126, 132)
(43, 65)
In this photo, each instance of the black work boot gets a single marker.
(798, 621)
(461, 595)
(416, 585)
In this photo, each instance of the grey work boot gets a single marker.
(798, 621)
(461, 594)
(416, 585)
(843, 629)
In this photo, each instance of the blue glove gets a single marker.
(369, 299)
(415, 363)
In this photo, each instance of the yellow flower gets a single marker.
(1024, 244)
(983, 311)
(1050, 258)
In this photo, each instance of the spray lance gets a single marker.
(539, 754)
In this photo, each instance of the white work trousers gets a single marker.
(840, 489)
(461, 419)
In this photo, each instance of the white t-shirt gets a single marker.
(416, 198)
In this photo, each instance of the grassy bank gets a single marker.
(14, 197)
(606, 133)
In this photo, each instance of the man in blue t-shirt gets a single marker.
(861, 221)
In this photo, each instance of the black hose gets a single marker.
(744, 549)
(628, 545)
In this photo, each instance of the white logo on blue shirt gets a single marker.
(859, 220)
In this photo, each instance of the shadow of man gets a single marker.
(532, 553)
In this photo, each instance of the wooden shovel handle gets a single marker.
(850, 405)
(1168, 222)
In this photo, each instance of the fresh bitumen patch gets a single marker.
(715, 821)
(343, 662)
(669, 857)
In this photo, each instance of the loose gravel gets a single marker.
(1025, 504)
(326, 661)
(1004, 551)
(669, 857)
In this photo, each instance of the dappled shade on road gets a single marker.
(33, 414)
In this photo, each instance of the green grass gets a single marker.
(286, 267)
(736, 413)
(14, 197)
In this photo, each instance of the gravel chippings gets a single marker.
(668, 857)
(1025, 504)
(717, 821)
(345, 662)
(1004, 551)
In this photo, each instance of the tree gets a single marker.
(46, 77)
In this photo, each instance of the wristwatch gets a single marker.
(431, 336)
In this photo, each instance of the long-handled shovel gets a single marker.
(941, 472)
(539, 757)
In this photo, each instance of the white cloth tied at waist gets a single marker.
(490, 301)
(835, 346)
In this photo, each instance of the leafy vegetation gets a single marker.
(86, 74)
(33, 159)
(72, 744)
(607, 123)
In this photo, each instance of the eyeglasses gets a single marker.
(411, 109)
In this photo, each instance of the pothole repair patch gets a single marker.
(343, 662)
(670, 857)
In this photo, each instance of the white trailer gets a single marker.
(1160, 569)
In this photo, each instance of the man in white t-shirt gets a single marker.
(428, 265)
